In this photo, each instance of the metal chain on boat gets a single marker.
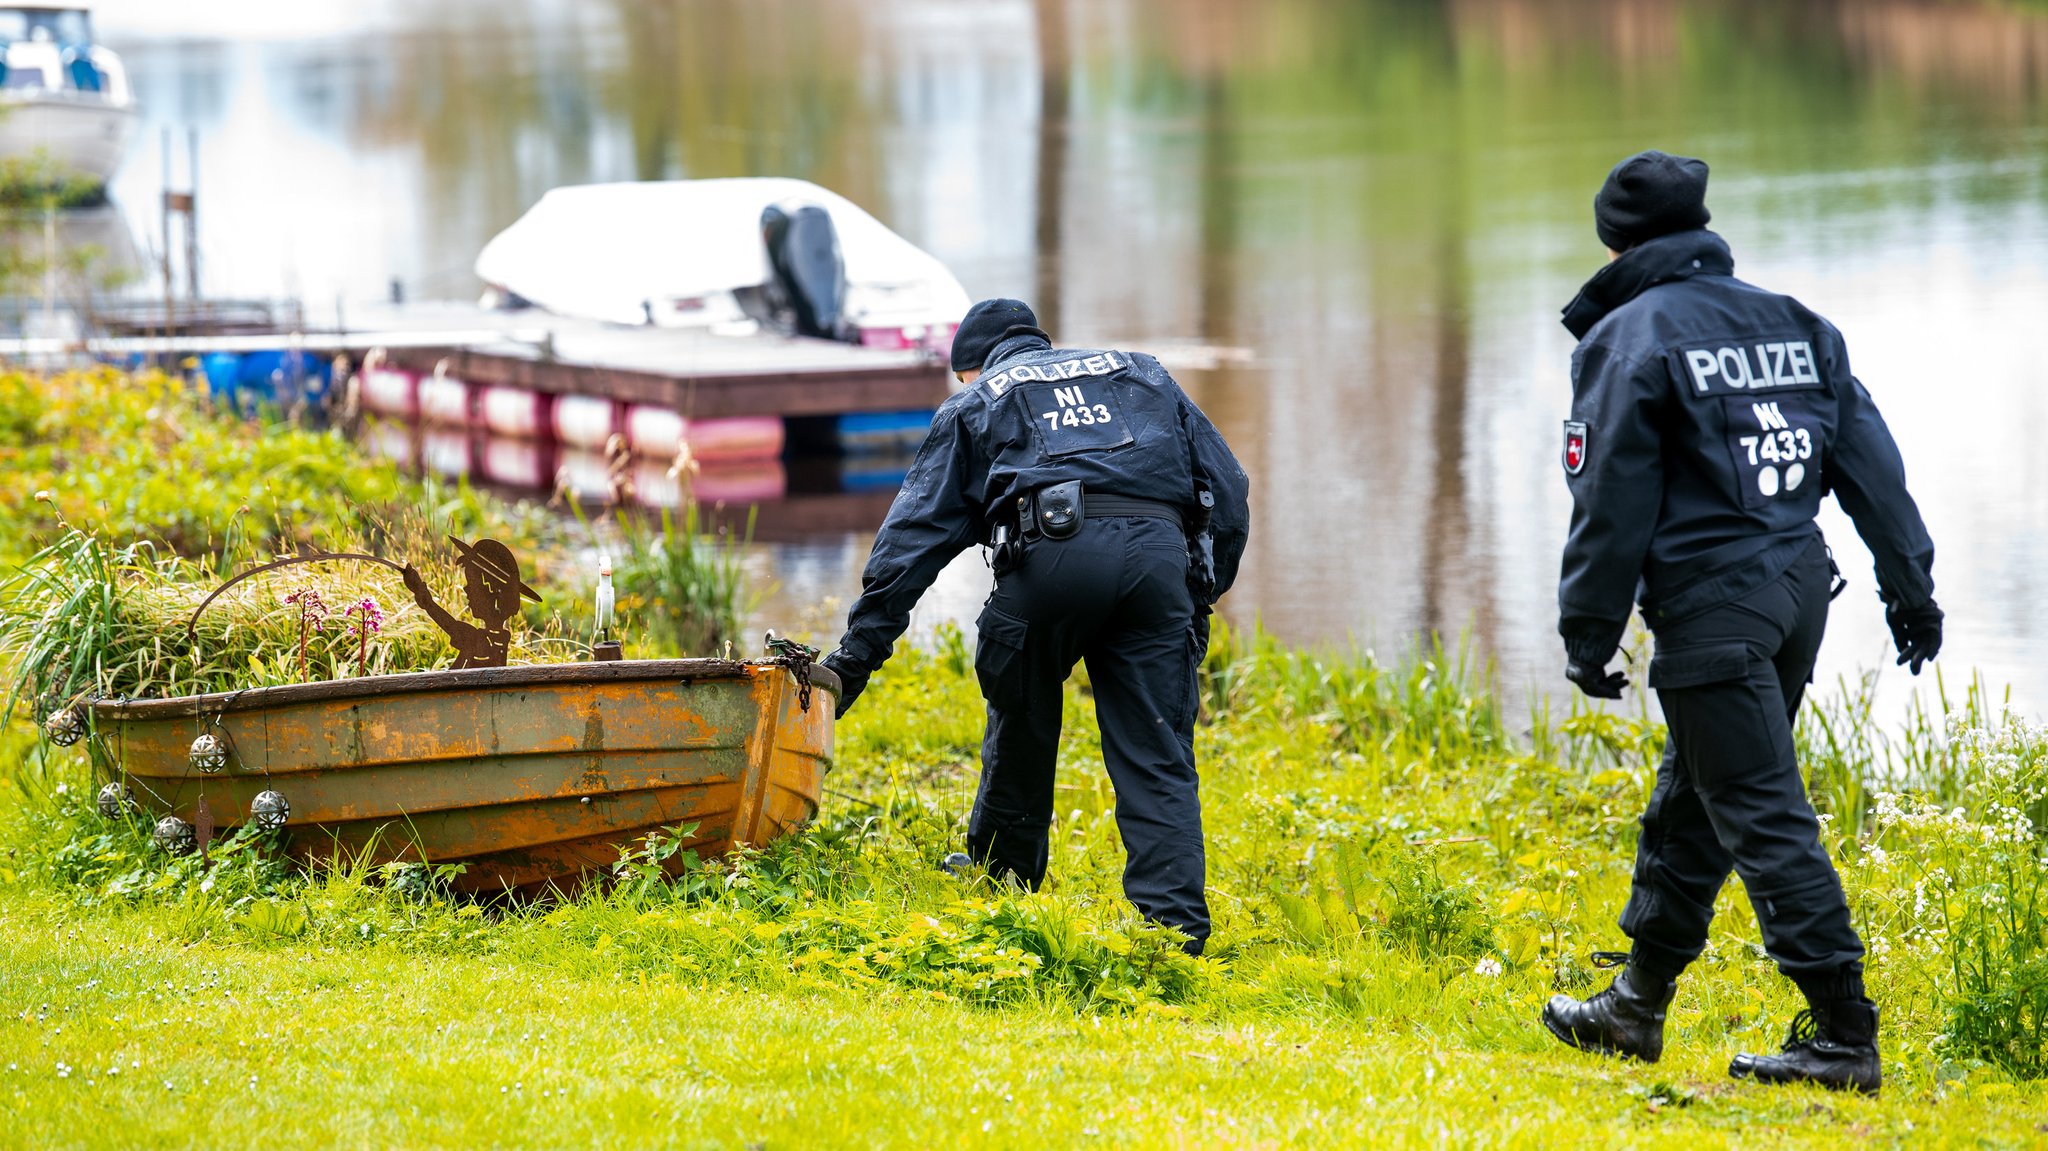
(798, 658)
(801, 665)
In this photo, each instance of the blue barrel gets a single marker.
(281, 378)
(223, 373)
(874, 471)
(882, 433)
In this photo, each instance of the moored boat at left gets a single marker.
(63, 96)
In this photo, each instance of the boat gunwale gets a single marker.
(373, 687)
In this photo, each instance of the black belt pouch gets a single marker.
(1059, 509)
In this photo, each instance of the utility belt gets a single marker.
(1055, 512)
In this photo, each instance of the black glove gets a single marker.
(853, 679)
(1588, 645)
(1916, 632)
(1595, 680)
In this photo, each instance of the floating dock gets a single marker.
(696, 372)
(532, 399)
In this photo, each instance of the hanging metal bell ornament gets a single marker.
(175, 835)
(209, 754)
(64, 727)
(269, 810)
(115, 801)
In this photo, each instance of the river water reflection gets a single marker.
(1350, 225)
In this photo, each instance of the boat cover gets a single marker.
(604, 251)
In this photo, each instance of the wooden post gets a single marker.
(192, 217)
(170, 328)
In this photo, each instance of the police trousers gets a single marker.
(1114, 594)
(1729, 794)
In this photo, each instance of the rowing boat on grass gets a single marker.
(532, 777)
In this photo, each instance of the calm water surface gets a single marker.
(1349, 226)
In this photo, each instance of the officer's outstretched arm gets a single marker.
(935, 517)
(1614, 466)
(1869, 478)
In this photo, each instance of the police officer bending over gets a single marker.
(1708, 419)
(1117, 515)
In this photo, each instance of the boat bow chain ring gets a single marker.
(798, 658)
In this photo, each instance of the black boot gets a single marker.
(1627, 1019)
(1833, 1044)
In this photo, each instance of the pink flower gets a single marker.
(313, 611)
(312, 617)
(371, 619)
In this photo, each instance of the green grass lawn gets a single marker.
(1378, 844)
(219, 1044)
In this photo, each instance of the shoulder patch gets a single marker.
(1575, 447)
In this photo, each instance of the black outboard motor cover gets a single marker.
(809, 281)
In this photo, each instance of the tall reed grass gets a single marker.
(681, 586)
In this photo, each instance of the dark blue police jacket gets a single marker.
(1041, 415)
(1708, 418)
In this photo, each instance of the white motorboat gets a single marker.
(731, 255)
(64, 99)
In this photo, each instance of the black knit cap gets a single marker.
(1650, 194)
(987, 324)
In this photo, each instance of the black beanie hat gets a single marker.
(987, 324)
(1650, 194)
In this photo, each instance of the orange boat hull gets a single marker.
(531, 777)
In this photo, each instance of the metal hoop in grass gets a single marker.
(307, 556)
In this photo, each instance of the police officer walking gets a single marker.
(1116, 515)
(1708, 418)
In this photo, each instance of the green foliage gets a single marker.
(143, 458)
(83, 619)
(916, 726)
(1391, 891)
(1356, 881)
(34, 188)
(1848, 756)
(1368, 898)
(1964, 886)
(854, 900)
(680, 588)
(1436, 702)
(1431, 916)
(195, 496)
(38, 182)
